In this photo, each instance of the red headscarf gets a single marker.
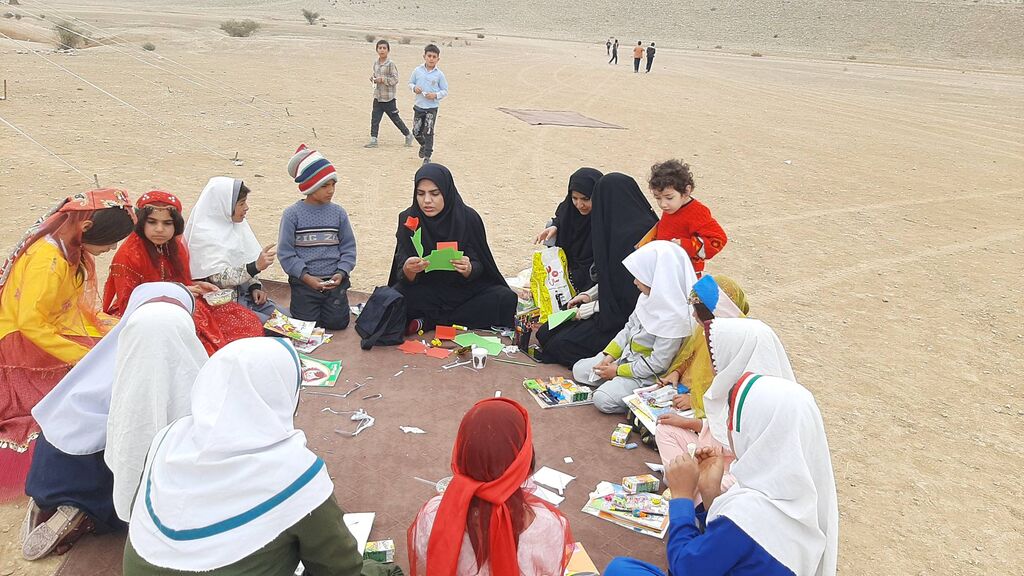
(492, 458)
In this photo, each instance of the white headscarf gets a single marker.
(785, 492)
(214, 241)
(738, 346)
(158, 358)
(666, 268)
(73, 415)
(222, 483)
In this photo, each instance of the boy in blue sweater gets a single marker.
(316, 245)
(430, 86)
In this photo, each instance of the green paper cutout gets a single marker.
(557, 318)
(470, 339)
(441, 259)
(417, 242)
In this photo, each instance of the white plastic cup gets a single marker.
(479, 358)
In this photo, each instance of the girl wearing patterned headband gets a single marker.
(156, 253)
(49, 315)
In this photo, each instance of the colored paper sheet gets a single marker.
(440, 353)
(443, 245)
(470, 339)
(442, 259)
(556, 319)
(580, 563)
(412, 347)
(444, 333)
(417, 241)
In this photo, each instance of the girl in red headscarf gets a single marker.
(486, 523)
(156, 253)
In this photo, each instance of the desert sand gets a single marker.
(874, 205)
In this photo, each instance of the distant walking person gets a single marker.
(650, 56)
(608, 47)
(430, 86)
(638, 54)
(615, 51)
(384, 79)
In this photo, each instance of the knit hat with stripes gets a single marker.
(310, 170)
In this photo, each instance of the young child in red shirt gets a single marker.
(684, 220)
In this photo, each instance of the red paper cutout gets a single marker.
(443, 245)
(412, 223)
(444, 333)
(440, 353)
(412, 347)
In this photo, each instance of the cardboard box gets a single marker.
(621, 435)
(642, 483)
(380, 550)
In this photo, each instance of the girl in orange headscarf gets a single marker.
(486, 523)
(156, 253)
(49, 314)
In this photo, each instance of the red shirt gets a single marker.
(695, 229)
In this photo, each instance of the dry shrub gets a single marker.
(479, 35)
(756, 54)
(310, 16)
(371, 38)
(405, 40)
(149, 46)
(68, 36)
(239, 28)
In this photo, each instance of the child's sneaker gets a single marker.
(408, 140)
(426, 159)
(372, 143)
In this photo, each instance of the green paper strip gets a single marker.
(417, 241)
(471, 339)
(556, 319)
(442, 259)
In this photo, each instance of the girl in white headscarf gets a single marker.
(645, 347)
(222, 248)
(98, 422)
(232, 488)
(781, 517)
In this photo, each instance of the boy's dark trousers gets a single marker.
(328, 309)
(423, 129)
(615, 56)
(650, 60)
(636, 64)
(391, 109)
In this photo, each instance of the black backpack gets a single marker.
(382, 320)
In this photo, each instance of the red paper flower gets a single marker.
(412, 223)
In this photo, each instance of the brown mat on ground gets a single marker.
(373, 472)
(557, 118)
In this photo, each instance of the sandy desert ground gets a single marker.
(874, 206)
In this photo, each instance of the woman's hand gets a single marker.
(581, 298)
(463, 266)
(413, 266)
(682, 475)
(266, 257)
(546, 234)
(681, 402)
(711, 464)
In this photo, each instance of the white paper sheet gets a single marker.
(545, 494)
(360, 524)
(655, 467)
(553, 478)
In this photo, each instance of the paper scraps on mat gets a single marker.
(445, 333)
(655, 467)
(470, 339)
(442, 259)
(439, 353)
(412, 430)
(413, 347)
(545, 494)
(360, 524)
(567, 459)
(557, 318)
(553, 478)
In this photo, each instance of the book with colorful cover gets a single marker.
(580, 563)
(557, 391)
(300, 330)
(644, 513)
(649, 403)
(319, 373)
(317, 339)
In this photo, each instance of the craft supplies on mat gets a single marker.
(621, 435)
(642, 483)
(380, 551)
(301, 330)
(319, 373)
(557, 391)
(644, 513)
(651, 402)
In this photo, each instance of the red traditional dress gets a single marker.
(216, 326)
(696, 230)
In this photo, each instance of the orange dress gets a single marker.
(216, 326)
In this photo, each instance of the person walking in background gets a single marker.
(384, 79)
(638, 54)
(615, 51)
(650, 57)
(608, 47)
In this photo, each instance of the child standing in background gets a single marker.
(684, 220)
(430, 87)
(384, 79)
(316, 245)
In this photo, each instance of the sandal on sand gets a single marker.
(46, 536)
